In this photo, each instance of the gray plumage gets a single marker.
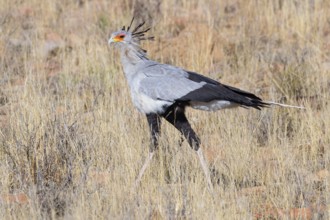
(164, 91)
(155, 86)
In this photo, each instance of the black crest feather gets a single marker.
(137, 33)
(130, 25)
(138, 27)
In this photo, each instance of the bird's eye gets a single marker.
(121, 36)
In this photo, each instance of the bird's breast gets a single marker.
(142, 101)
(146, 104)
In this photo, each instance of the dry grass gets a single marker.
(71, 143)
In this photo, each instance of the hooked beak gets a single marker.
(110, 41)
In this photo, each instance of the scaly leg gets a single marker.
(178, 119)
(205, 168)
(154, 125)
(143, 169)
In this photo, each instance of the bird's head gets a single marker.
(120, 37)
(128, 36)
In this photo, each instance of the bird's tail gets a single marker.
(283, 105)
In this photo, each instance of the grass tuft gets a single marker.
(72, 144)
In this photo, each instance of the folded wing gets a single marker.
(164, 82)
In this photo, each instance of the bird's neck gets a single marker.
(131, 57)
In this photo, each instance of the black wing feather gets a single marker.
(213, 90)
(200, 78)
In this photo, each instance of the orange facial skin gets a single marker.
(119, 38)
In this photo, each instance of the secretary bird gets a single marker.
(164, 91)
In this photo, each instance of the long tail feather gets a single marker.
(283, 105)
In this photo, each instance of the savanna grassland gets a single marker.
(71, 142)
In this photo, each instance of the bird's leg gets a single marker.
(144, 167)
(154, 125)
(205, 168)
(177, 118)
